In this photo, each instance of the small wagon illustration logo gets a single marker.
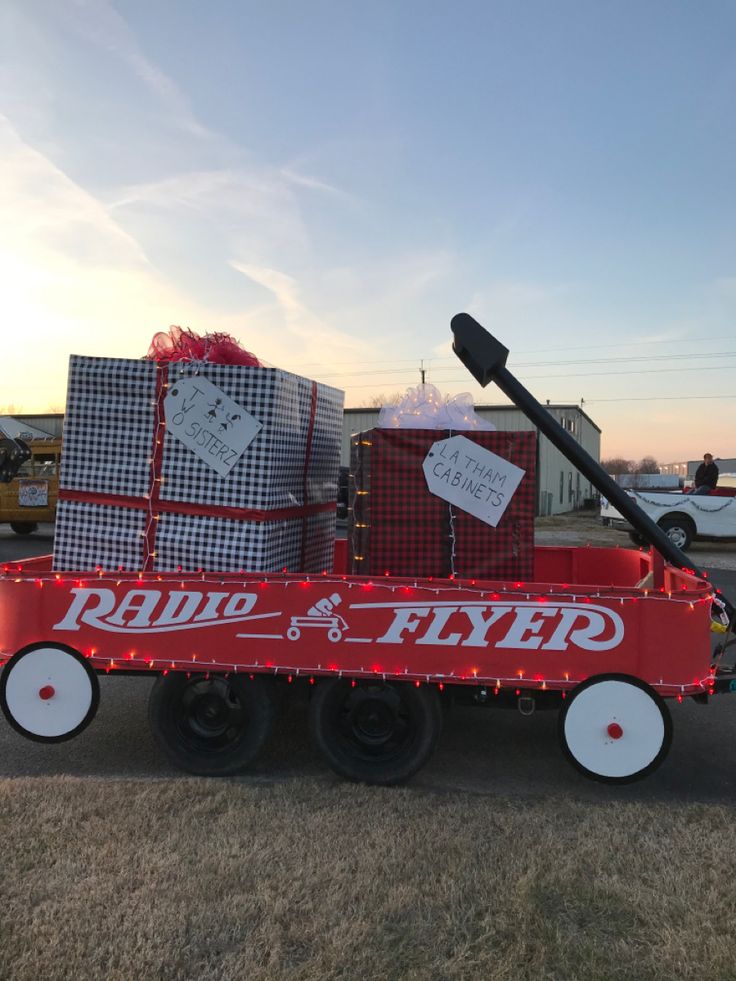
(322, 616)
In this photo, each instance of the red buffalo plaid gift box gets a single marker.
(398, 527)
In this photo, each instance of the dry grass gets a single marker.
(313, 879)
(578, 528)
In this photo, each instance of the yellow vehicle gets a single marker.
(31, 496)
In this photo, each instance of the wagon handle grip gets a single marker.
(485, 358)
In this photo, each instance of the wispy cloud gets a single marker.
(100, 23)
(172, 223)
(71, 278)
(249, 211)
(314, 184)
(39, 202)
(314, 337)
(68, 266)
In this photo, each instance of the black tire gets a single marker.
(24, 527)
(679, 531)
(375, 732)
(211, 726)
(638, 539)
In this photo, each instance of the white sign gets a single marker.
(209, 423)
(471, 477)
(33, 494)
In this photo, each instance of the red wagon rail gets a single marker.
(385, 652)
(549, 634)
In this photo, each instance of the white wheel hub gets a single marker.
(49, 693)
(614, 729)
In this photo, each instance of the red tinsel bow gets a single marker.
(182, 344)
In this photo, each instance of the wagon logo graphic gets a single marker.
(517, 626)
(525, 626)
(321, 616)
(150, 611)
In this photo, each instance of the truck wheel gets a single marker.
(211, 726)
(638, 539)
(679, 531)
(24, 527)
(49, 692)
(615, 728)
(374, 732)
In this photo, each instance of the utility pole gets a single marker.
(421, 370)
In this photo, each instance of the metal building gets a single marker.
(560, 486)
(687, 468)
(50, 423)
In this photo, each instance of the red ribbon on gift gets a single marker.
(183, 344)
(199, 510)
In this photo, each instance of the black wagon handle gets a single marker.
(485, 358)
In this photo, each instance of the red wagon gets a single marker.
(606, 636)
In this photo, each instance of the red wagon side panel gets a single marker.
(548, 634)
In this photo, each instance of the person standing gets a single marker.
(706, 476)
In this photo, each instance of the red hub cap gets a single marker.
(615, 731)
(48, 691)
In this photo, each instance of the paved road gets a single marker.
(482, 751)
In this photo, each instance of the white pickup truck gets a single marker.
(683, 517)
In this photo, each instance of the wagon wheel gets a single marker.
(373, 732)
(211, 726)
(24, 527)
(49, 692)
(615, 728)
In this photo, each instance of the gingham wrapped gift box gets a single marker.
(397, 527)
(133, 496)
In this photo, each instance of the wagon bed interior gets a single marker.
(586, 567)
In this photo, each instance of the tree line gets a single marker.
(617, 464)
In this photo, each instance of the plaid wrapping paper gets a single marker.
(113, 410)
(398, 527)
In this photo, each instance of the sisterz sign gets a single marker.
(209, 423)
(472, 478)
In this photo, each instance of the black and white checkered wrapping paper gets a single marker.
(90, 535)
(108, 432)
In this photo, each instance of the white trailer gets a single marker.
(683, 517)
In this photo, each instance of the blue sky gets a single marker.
(331, 182)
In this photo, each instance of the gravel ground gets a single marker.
(585, 528)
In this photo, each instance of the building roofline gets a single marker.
(496, 408)
(39, 415)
